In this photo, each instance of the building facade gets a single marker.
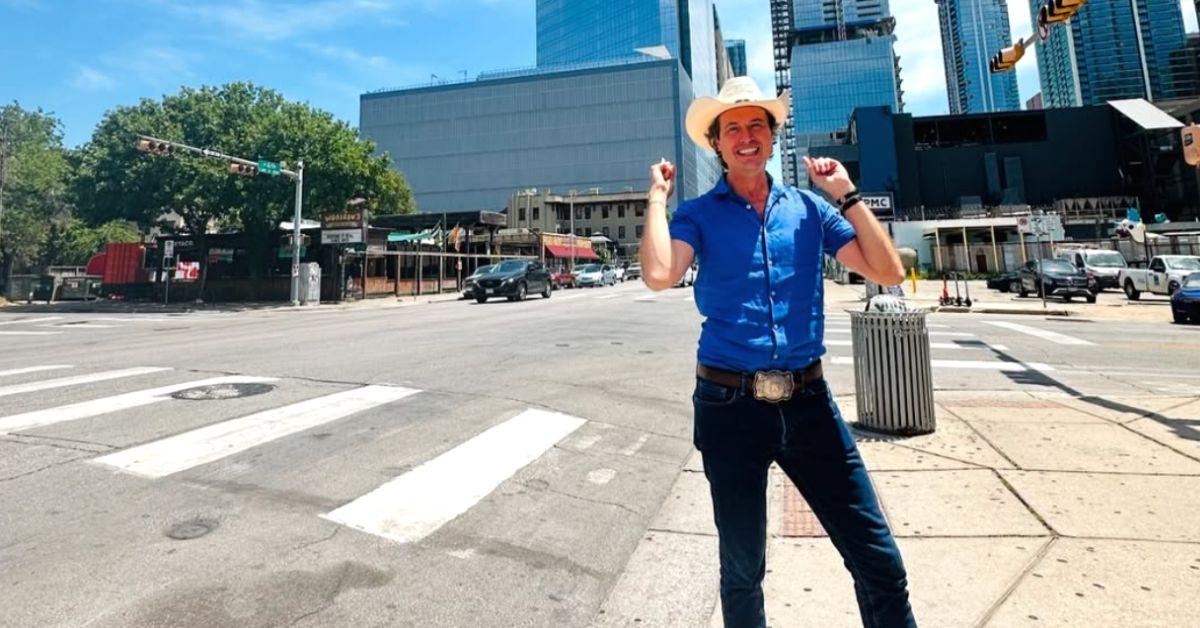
(617, 216)
(1114, 50)
(843, 57)
(581, 31)
(469, 145)
(972, 31)
(736, 50)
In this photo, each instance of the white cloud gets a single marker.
(90, 79)
(919, 45)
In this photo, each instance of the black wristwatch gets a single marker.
(849, 200)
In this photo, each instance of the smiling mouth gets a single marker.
(746, 152)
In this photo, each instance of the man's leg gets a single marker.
(820, 457)
(736, 454)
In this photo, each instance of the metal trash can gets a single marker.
(893, 378)
(310, 283)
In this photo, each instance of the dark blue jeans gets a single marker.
(739, 437)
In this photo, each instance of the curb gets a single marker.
(1000, 310)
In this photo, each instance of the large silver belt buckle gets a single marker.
(773, 386)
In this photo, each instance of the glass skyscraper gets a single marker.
(1113, 50)
(580, 31)
(843, 57)
(737, 55)
(973, 31)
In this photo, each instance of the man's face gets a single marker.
(745, 139)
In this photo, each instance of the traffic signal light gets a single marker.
(1058, 10)
(245, 169)
(1004, 60)
(154, 147)
(287, 240)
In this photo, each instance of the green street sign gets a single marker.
(272, 168)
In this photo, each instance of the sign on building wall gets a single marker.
(342, 220)
(881, 205)
(341, 236)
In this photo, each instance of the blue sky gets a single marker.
(79, 58)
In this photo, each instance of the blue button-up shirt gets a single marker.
(760, 285)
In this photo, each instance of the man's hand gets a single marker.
(662, 178)
(829, 175)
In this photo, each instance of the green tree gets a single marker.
(34, 172)
(117, 182)
(72, 243)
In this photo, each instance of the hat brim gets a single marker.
(704, 110)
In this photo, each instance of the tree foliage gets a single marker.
(35, 173)
(116, 181)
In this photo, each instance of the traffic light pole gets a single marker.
(155, 145)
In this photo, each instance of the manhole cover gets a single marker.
(223, 391)
(193, 529)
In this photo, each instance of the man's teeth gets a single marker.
(747, 151)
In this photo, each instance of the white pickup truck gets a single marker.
(1164, 276)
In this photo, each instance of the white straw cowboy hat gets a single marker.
(737, 92)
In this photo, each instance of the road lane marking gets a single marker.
(77, 380)
(636, 446)
(974, 364)
(79, 326)
(414, 505)
(648, 297)
(213, 442)
(610, 296)
(96, 407)
(36, 369)
(601, 476)
(22, 321)
(932, 345)
(1052, 336)
(29, 333)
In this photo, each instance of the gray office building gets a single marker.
(470, 145)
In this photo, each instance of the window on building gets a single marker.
(587, 212)
(604, 230)
(639, 210)
(620, 211)
(578, 231)
(604, 212)
(521, 214)
(638, 231)
(578, 213)
(563, 213)
(537, 214)
(587, 231)
(621, 232)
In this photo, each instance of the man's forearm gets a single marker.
(875, 243)
(656, 240)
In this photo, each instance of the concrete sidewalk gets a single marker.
(1021, 509)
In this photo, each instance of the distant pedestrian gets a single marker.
(760, 394)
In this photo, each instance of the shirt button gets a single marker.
(749, 206)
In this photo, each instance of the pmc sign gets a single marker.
(880, 205)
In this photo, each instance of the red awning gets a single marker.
(563, 251)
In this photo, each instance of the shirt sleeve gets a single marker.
(684, 227)
(838, 231)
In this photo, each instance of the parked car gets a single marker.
(1060, 278)
(514, 280)
(592, 275)
(634, 271)
(1005, 282)
(468, 285)
(1185, 303)
(562, 278)
(1164, 276)
(688, 278)
(1102, 265)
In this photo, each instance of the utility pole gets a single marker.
(3, 175)
(572, 260)
(239, 165)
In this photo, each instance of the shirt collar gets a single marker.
(722, 189)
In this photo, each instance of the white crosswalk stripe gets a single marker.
(933, 345)
(25, 321)
(972, 364)
(29, 333)
(77, 380)
(1052, 336)
(414, 505)
(105, 405)
(213, 442)
(35, 369)
(948, 334)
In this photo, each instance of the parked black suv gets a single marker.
(514, 280)
(1061, 279)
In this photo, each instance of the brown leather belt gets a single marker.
(773, 386)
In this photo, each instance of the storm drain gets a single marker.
(222, 391)
(192, 529)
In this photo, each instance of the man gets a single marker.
(760, 395)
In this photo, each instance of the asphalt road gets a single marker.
(447, 464)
